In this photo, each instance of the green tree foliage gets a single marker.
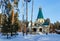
(7, 26)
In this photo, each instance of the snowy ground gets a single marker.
(37, 37)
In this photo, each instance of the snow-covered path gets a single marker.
(37, 37)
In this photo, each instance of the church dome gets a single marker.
(40, 17)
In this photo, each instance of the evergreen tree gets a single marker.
(10, 22)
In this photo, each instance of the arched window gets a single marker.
(34, 29)
(40, 29)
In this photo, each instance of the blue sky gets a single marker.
(50, 9)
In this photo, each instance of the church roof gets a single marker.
(40, 14)
(45, 23)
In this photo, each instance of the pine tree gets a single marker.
(10, 22)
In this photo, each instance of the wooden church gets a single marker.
(41, 25)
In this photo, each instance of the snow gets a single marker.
(57, 30)
(0, 11)
(31, 37)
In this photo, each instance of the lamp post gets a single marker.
(27, 14)
(32, 15)
(22, 17)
